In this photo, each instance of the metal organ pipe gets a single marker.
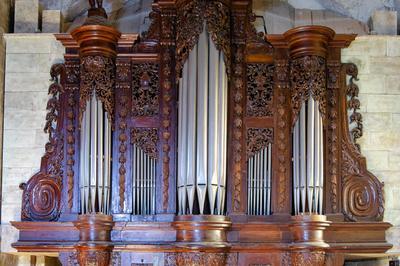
(95, 158)
(202, 130)
(259, 169)
(308, 163)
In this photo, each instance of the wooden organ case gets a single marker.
(202, 142)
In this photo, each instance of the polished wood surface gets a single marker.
(141, 94)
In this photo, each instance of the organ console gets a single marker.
(202, 142)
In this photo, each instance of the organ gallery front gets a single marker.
(202, 142)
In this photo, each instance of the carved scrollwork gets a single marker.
(146, 139)
(145, 89)
(97, 75)
(42, 193)
(259, 89)
(308, 76)
(353, 104)
(257, 139)
(41, 199)
(362, 193)
(195, 259)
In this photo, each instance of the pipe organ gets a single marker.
(202, 142)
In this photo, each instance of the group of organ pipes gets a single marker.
(201, 142)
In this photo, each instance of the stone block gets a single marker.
(19, 139)
(392, 84)
(383, 140)
(385, 65)
(396, 121)
(376, 122)
(383, 103)
(22, 157)
(371, 83)
(26, 16)
(30, 44)
(27, 82)
(22, 63)
(33, 101)
(384, 22)
(377, 160)
(371, 45)
(394, 162)
(23, 119)
(9, 235)
(51, 21)
(393, 46)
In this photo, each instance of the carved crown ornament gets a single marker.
(136, 79)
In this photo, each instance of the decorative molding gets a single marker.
(258, 139)
(146, 139)
(70, 146)
(282, 71)
(116, 259)
(353, 104)
(145, 89)
(315, 258)
(195, 259)
(332, 132)
(123, 147)
(98, 75)
(259, 89)
(307, 76)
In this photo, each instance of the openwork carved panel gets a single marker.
(308, 76)
(146, 139)
(191, 19)
(98, 75)
(259, 89)
(258, 139)
(195, 259)
(145, 89)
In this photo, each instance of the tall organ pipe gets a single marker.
(308, 163)
(202, 130)
(95, 158)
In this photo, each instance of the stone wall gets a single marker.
(29, 57)
(378, 61)
(28, 61)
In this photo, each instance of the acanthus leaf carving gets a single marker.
(258, 139)
(146, 139)
(308, 77)
(97, 76)
(353, 104)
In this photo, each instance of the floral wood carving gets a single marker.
(281, 70)
(255, 40)
(145, 89)
(98, 75)
(333, 131)
(308, 75)
(41, 197)
(195, 259)
(146, 139)
(70, 146)
(314, 258)
(259, 89)
(258, 139)
(353, 104)
(123, 147)
(191, 19)
(217, 16)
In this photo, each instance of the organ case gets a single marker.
(202, 142)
